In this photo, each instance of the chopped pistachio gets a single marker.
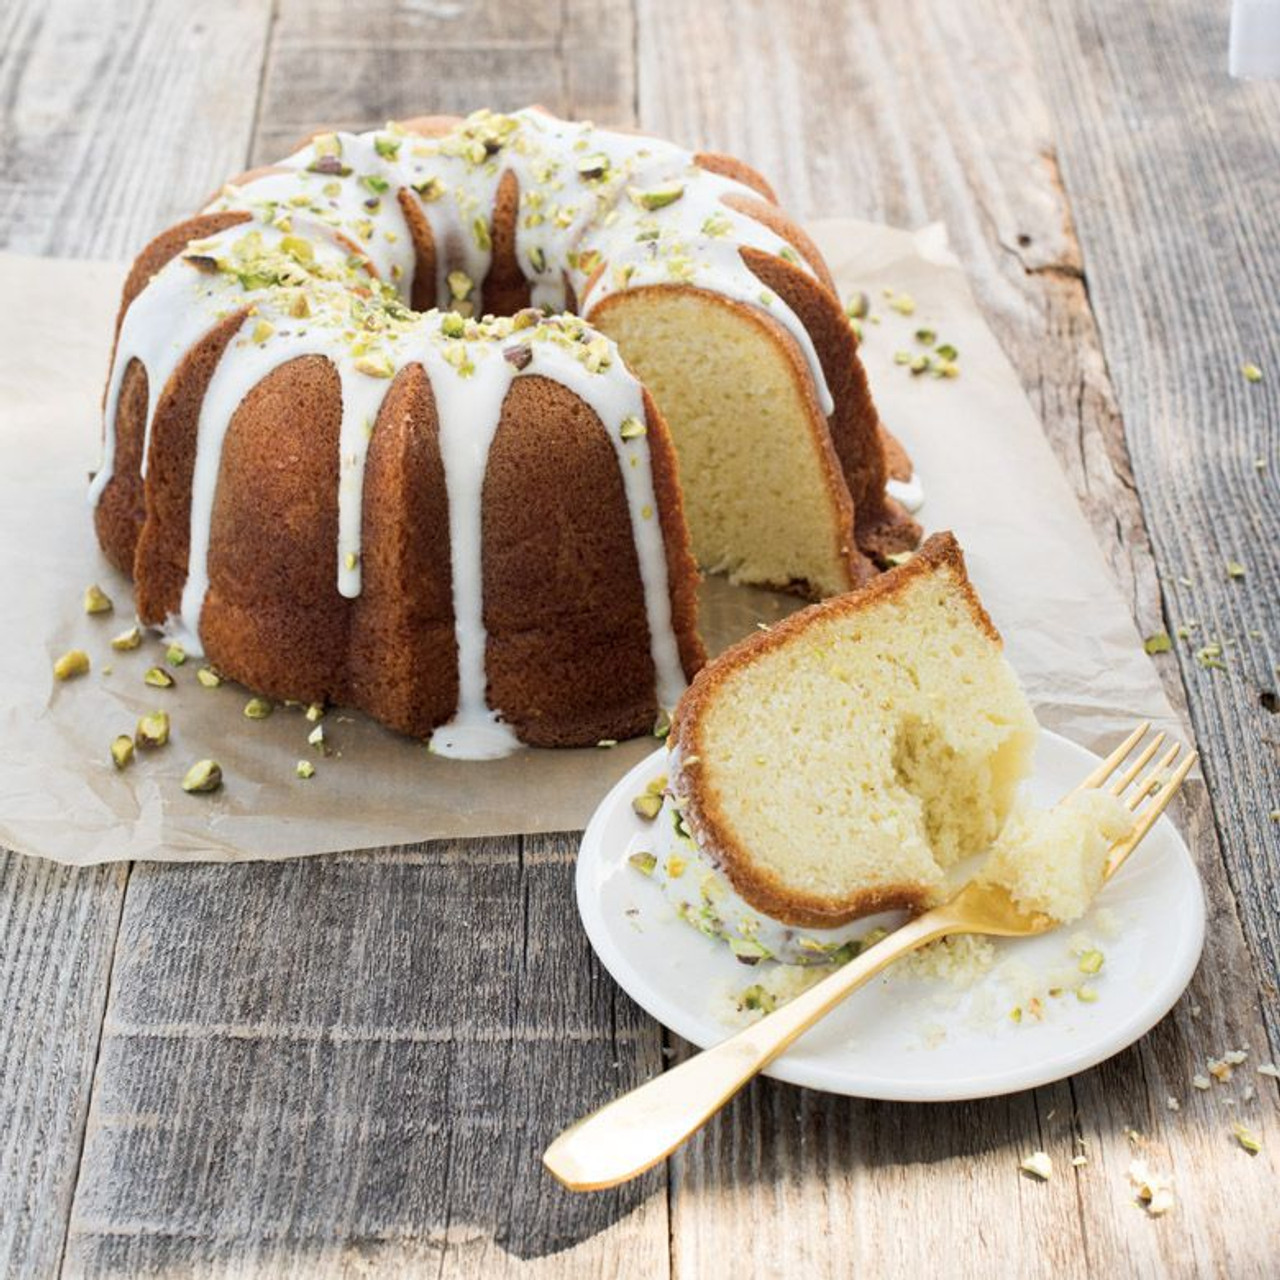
(643, 863)
(315, 712)
(748, 951)
(1091, 962)
(662, 726)
(1015, 1014)
(904, 304)
(350, 560)
(388, 148)
(158, 678)
(1235, 569)
(902, 357)
(122, 751)
(298, 248)
(75, 662)
(175, 655)
(1086, 994)
(152, 730)
(304, 769)
(858, 307)
(1209, 657)
(631, 428)
(593, 167)
(208, 677)
(96, 600)
(1038, 1164)
(657, 197)
(375, 366)
(429, 189)
(263, 330)
(919, 365)
(946, 351)
(676, 866)
(1247, 1139)
(927, 336)
(1159, 642)
(897, 558)
(647, 805)
(1251, 372)
(758, 997)
(258, 708)
(460, 285)
(127, 640)
(203, 776)
(480, 233)
(946, 369)
(538, 259)
(452, 324)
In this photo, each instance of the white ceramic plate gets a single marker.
(902, 1038)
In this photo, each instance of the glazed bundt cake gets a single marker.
(350, 455)
(837, 764)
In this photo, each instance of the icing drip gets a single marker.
(910, 493)
(469, 411)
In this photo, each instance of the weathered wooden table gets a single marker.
(350, 1064)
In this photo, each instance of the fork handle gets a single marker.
(632, 1133)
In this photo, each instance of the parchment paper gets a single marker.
(987, 471)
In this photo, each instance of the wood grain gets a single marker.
(114, 117)
(359, 1056)
(1189, 162)
(105, 136)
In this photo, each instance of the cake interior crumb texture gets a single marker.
(1053, 860)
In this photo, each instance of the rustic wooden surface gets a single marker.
(322, 1069)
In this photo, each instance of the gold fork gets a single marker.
(632, 1133)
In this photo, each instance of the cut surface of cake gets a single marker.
(838, 764)
(1053, 860)
(350, 457)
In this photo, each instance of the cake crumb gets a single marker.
(1200, 1082)
(1038, 1165)
(1172, 1103)
(1153, 1193)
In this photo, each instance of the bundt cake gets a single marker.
(351, 456)
(837, 764)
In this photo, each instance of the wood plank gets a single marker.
(105, 135)
(909, 113)
(359, 1058)
(1179, 217)
(57, 935)
(113, 123)
(573, 59)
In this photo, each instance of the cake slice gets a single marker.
(837, 764)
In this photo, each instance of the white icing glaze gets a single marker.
(333, 213)
(910, 493)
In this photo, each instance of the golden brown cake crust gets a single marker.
(701, 807)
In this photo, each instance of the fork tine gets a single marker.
(1113, 761)
(1127, 777)
(1152, 780)
(1147, 818)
